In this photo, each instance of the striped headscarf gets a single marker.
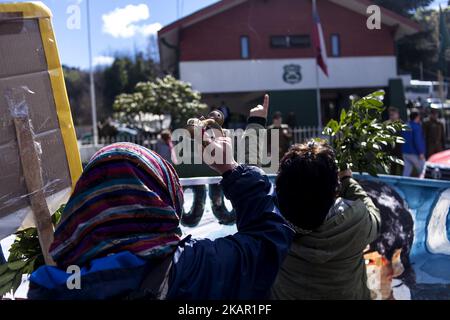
(127, 199)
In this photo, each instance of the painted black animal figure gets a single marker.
(397, 227)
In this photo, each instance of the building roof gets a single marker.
(388, 17)
(404, 25)
(169, 33)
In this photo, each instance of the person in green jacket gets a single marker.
(334, 220)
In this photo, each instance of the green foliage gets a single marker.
(125, 73)
(361, 139)
(25, 256)
(420, 50)
(163, 96)
(403, 7)
(110, 81)
(77, 84)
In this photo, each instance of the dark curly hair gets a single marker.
(307, 184)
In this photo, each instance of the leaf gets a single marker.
(16, 282)
(343, 115)
(17, 265)
(372, 171)
(374, 103)
(3, 268)
(376, 146)
(400, 140)
(385, 167)
(6, 288)
(327, 131)
(30, 266)
(7, 277)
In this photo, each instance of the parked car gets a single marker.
(438, 166)
(436, 103)
(422, 90)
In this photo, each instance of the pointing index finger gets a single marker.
(266, 102)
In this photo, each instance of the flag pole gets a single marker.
(441, 86)
(443, 46)
(439, 74)
(91, 79)
(318, 97)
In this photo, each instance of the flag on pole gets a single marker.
(444, 42)
(319, 41)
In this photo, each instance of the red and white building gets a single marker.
(236, 50)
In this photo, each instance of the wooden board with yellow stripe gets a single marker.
(31, 79)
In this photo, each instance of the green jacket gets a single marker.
(328, 263)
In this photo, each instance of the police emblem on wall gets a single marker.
(292, 74)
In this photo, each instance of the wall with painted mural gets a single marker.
(411, 257)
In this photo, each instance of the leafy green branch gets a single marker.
(362, 140)
(25, 256)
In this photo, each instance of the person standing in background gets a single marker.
(291, 120)
(164, 147)
(414, 148)
(285, 134)
(434, 133)
(396, 169)
(226, 114)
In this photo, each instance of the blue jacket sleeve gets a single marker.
(242, 266)
(419, 140)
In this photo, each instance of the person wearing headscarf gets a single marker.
(119, 235)
(165, 148)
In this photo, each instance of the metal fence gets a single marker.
(299, 135)
(447, 131)
(87, 148)
(143, 140)
(302, 134)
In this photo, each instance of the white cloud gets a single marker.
(435, 5)
(150, 29)
(103, 61)
(123, 22)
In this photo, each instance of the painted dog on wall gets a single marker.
(388, 261)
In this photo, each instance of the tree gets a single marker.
(25, 256)
(116, 79)
(78, 90)
(404, 7)
(141, 70)
(419, 51)
(77, 84)
(125, 73)
(120, 77)
(163, 96)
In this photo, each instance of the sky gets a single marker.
(117, 26)
(436, 3)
